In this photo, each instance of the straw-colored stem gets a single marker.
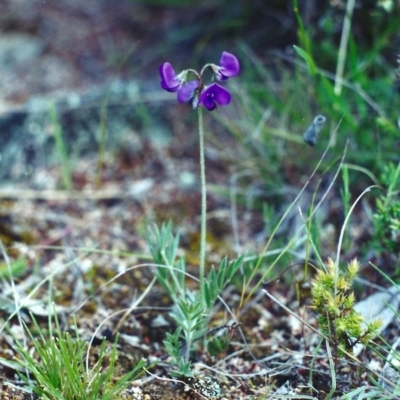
(343, 47)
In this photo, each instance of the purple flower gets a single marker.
(213, 94)
(227, 68)
(169, 80)
(187, 92)
(194, 91)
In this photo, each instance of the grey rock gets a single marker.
(26, 132)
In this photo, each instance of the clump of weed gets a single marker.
(59, 371)
(334, 301)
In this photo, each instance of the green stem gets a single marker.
(103, 137)
(61, 148)
(203, 202)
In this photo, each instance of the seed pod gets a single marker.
(311, 134)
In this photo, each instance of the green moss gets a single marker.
(334, 302)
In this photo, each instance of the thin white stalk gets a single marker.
(339, 248)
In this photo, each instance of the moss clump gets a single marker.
(334, 302)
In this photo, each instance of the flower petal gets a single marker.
(169, 81)
(187, 91)
(208, 102)
(229, 66)
(214, 94)
(221, 95)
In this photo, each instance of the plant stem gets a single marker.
(203, 203)
(102, 139)
(61, 148)
(343, 47)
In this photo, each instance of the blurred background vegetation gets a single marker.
(278, 94)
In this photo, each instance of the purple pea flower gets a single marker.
(213, 94)
(228, 67)
(195, 91)
(187, 93)
(169, 80)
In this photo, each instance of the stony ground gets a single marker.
(91, 242)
